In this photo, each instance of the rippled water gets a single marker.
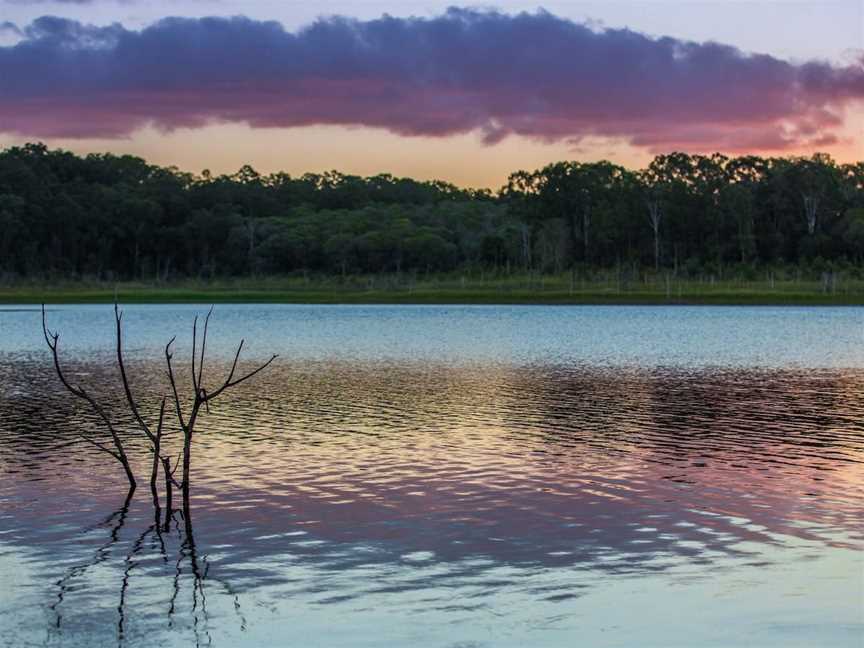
(451, 477)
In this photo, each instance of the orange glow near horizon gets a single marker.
(463, 160)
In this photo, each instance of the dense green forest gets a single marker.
(108, 217)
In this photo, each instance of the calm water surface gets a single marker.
(450, 477)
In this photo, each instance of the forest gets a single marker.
(108, 217)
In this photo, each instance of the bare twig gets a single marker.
(174, 469)
(203, 346)
(168, 357)
(156, 449)
(159, 427)
(201, 397)
(154, 438)
(194, 351)
(103, 448)
(155, 435)
(230, 382)
(133, 406)
(119, 453)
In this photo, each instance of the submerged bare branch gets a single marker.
(201, 398)
(52, 339)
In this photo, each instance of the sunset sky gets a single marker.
(466, 94)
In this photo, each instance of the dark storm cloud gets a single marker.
(530, 74)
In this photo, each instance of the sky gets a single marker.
(463, 93)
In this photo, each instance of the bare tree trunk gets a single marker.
(135, 264)
(187, 457)
(574, 243)
(249, 224)
(154, 470)
(526, 246)
(130, 476)
(655, 216)
(154, 438)
(811, 207)
(169, 487)
(586, 222)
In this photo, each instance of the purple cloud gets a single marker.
(535, 75)
(40, 2)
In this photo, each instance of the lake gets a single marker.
(447, 477)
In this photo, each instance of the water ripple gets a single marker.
(503, 501)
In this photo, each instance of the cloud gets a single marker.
(10, 28)
(39, 2)
(9, 33)
(531, 74)
(72, 2)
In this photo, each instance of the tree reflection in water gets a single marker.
(166, 526)
(548, 498)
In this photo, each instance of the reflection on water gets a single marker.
(396, 502)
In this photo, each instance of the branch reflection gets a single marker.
(172, 548)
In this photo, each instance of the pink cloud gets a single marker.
(534, 75)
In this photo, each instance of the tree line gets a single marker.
(116, 217)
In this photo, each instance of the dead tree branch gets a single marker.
(154, 438)
(119, 453)
(201, 396)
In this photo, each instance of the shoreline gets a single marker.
(168, 295)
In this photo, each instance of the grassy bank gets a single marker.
(523, 289)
